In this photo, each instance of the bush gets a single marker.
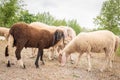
(118, 52)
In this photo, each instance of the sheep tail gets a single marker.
(7, 36)
(11, 41)
(116, 43)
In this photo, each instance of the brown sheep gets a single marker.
(52, 29)
(26, 36)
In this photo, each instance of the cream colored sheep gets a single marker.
(4, 32)
(117, 43)
(69, 35)
(91, 42)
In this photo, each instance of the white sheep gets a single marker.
(68, 32)
(4, 32)
(69, 35)
(91, 42)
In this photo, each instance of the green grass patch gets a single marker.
(118, 52)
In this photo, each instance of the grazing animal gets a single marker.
(4, 32)
(39, 25)
(91, 42)
(52, 29)
(69, 35)
(24, 35)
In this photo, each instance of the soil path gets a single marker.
(52, 71)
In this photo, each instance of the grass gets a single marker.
(118, 52)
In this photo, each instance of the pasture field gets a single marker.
(53, 71)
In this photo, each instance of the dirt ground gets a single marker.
(53, 71)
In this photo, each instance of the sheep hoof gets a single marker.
(75, 67)
(37, 66)
(8, 64)
(43, 63)
(72, 62)
(24, 67)
(50, 59)
(89, 70)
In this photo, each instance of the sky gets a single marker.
(82, 10)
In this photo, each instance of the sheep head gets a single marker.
(62, 58)
(58, 35)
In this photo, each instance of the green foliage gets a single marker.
(109, 17)
(11, 12)
(118, 52)
(8, 11)
(45, 17)
(73, 24)
(60, 22)
(25, 16)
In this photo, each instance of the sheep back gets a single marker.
(92, 42)
(28, 36)
(4, 31)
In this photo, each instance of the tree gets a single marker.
(45, 17)
(8, 11)
(25, 16)
(109, 17)
(73, 24)
(60, 22)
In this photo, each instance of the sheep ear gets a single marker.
(53, 40)
(55, 37)
(58, 35)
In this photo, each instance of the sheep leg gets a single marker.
(36, 62)
(40, 54)
(7, 56)
(107, 58)
(33, 53)
(111, 58)
(8, 49)
(77, 61)
(41, 57)
(18, 56)
(105, 64)
(89, 62)
(50, 55)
